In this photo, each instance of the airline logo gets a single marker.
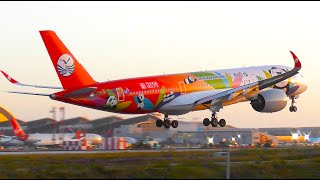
(65, 65)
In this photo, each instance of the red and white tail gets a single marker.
(70, 72)
(17, 130)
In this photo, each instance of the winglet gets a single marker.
(9, 78)
(297, 63)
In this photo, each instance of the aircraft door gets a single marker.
(182, 87)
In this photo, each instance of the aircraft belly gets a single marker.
(185, 103)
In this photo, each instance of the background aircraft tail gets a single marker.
(70, 72)
(5, 115)
(17, 130)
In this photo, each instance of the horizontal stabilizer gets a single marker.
(37, 94)
(81, 93)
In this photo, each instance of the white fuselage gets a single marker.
(57, 139)
(237, 77)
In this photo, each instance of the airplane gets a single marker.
(267, 88)
(40, 139)
(49, 139)
(7, 140)
(10, 141)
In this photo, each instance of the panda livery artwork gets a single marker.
(266, 87)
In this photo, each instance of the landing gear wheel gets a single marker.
(206, 122)
(222, 122)
(294, 108)
(214, 122)
(174, 124)
(159, 123)
(166, 123)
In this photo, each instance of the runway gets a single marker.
(99, 151)
(119, 151)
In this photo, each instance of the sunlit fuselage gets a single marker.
(175, 93)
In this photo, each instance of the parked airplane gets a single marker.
(266, 87)
(37, 139)
(49, 139)
(7, 140)
(10, 141)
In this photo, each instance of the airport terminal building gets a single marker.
(188, 133)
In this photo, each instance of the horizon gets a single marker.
(118, 40)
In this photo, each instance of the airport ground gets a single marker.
(267, 163)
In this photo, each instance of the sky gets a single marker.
(117, 40)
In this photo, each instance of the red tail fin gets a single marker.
(70, 72)
(16, 128)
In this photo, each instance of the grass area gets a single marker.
(246, 163)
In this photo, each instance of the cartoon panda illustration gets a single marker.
(140, 103)
(143, 103)
(111, 102)
(189, 80)
(277, 71)
(168, 97)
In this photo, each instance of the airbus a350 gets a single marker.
(267, 88)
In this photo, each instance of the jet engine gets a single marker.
(271, 100)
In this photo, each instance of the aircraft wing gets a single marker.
(248, 91)
(13, 81)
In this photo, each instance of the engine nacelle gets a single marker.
(272, 100)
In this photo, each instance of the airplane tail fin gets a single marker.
(17, 130)
(70, 72)
(5, 115)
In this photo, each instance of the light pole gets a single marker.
(228, 164)
(225, 153)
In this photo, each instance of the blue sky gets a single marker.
(115, 40)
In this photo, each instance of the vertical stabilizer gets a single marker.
(70, 72)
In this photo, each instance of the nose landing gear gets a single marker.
(293, 108)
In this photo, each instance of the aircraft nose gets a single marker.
(302, 84)
(302, 87)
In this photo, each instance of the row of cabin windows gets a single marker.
(158, 90)
(151, 91)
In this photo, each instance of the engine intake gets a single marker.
(272, 100)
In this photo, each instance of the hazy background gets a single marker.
(115, 40)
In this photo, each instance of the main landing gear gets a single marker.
(214, 121)
(293, 108)
(166, 122)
